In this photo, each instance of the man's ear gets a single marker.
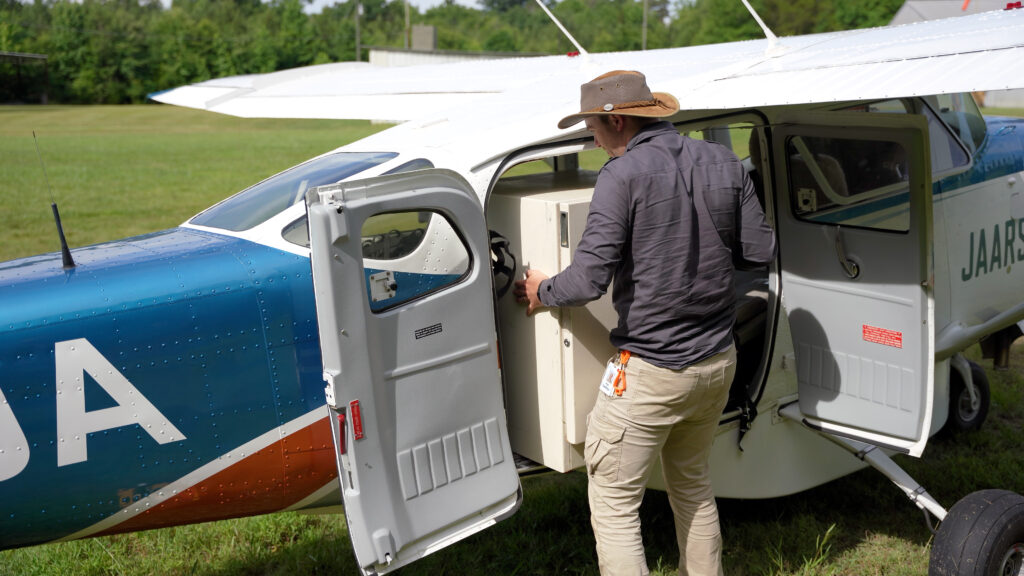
(617, 121)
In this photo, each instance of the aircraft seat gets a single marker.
(801, 178)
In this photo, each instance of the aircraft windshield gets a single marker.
(258, 203)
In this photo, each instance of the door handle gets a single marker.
(851, 268)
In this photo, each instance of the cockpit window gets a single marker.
(258, 203)
(961, 113)
(947, 154)
(297, 232)
(884, 107)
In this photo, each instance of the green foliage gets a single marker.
(501, 41)
(118, 51)
(864, 13)
(98, 52)
(291, 32)
(502, 5)
(335, 34)
(711, 21)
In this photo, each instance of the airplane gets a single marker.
(341, 332)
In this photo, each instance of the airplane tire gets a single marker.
(982, 535)
(962, 416)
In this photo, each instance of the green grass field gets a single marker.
(119, 171)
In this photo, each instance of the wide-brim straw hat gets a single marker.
(622, 92)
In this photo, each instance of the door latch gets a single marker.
(851, 268)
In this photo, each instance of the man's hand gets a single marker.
(526, 290)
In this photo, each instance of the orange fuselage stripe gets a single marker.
(269, 480)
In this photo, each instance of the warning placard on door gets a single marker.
(882, 336)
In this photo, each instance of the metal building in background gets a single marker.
(20, 84)
(424, 51)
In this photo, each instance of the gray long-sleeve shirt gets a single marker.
(666, 219)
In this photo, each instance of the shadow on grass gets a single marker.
(551, 534)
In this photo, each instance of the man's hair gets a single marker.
(639, 121)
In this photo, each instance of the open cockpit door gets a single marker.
(402, 278)
(855, 238)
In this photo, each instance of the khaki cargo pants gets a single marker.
(672, 413)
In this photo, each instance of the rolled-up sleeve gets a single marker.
(599, 252)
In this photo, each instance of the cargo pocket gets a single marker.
(603, 449)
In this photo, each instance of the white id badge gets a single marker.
(608, 380)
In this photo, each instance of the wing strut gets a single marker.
(773, 40)
(562, 28)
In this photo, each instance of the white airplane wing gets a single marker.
(969, 53)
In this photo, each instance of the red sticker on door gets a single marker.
(882, 336)
(357, 419)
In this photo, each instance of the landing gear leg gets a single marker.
(969, 395)
(880, 461)
(981, 535)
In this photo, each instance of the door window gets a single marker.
(849, 181)
(407, 255)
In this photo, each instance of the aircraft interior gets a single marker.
(553, 360)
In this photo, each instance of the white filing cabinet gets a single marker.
(552, 362)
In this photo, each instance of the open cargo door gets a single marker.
(402, 278)
(855, 231)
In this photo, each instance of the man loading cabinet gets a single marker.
(669, 216)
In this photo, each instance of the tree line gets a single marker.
(118, 51)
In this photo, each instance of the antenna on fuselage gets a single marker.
(562, 28)
(65, 252)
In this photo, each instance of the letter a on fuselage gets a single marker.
(74, 358)
(14, 450)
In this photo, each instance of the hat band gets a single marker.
(625, 105)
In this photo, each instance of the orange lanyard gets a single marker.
(620, 378)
